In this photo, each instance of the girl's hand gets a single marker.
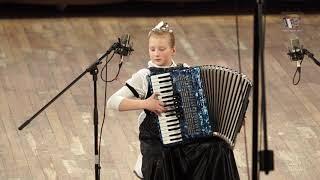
(154, 105)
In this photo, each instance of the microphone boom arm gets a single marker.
(311, 56)
(89, 69)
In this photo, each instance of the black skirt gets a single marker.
(206, 159)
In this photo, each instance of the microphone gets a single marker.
(124, 47)
(296, 50)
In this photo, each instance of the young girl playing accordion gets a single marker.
(206, 159)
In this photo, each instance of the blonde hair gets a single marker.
(162, 29)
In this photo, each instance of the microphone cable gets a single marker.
(298, 71)
(104, 68)
(240, 71)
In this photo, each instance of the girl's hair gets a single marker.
(162, 29)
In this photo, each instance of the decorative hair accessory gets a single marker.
(162, 27)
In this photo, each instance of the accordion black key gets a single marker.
(201, 102)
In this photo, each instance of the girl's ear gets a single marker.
(173, 50)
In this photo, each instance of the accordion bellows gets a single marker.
(201, 102)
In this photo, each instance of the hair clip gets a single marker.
(162, 26)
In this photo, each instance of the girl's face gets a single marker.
(160, 51)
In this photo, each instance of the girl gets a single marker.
(205, 159)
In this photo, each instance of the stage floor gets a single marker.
(40, 56)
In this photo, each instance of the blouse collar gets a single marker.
(151, 64)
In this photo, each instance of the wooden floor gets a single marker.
(39, 57)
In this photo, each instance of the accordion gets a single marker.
(201, 102)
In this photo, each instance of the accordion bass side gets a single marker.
(201, 102)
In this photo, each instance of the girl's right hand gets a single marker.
(154, 105)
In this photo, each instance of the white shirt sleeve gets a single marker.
(115, 100)
(138, 81)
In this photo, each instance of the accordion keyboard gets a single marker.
(169, 120)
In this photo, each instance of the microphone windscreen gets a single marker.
(295, 44)
(125, 40)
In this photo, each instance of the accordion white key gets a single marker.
(201, 102)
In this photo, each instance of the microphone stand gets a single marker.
(257, 29)
(265, 157)
(93, 71)
(311, 56)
